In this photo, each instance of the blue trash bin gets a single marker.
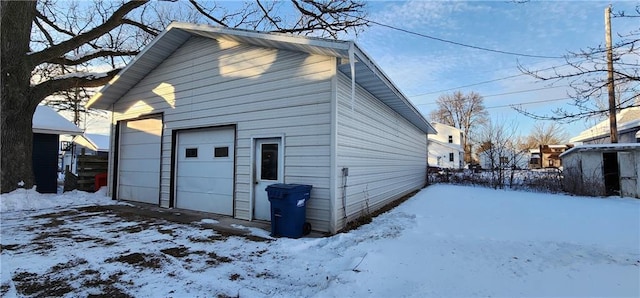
(288, 209)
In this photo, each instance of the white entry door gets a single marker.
(268, 170)
(628, 177)
(205, 169)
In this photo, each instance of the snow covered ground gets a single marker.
(446, 241)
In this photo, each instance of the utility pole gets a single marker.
(613, 126)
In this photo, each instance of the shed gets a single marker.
(205, 118)
(47, 128)
(602, 169)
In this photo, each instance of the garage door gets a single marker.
(139, 160)
(205, 170)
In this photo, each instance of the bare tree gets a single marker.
(546, 133)
(498, 150)
(586, 73)
(50, 47)
(463, 111)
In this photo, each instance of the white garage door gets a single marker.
(205, 170)
(139, 160)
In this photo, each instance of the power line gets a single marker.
(490, 81)
(528, 103)
(505, 93)
(455, 42)
(470, 85)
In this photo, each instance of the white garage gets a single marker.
(139, 160)
(204, 176)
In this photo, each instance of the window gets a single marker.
(504, 160)
(451, 156)
(269, 162)
(551, 162)
(191, 152)
(221, 152)
(450, 139)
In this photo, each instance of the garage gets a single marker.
(205, 167)
(139, 160)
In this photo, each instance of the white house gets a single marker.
(602, 169)
(628, 124)
(205, 118)
(445, 147)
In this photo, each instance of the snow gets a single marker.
(446, 241)
(85, 75)
(29, 200)
(46, 120)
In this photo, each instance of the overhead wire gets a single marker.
(454, 42)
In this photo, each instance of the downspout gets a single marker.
(352, 65)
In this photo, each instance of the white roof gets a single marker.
(95, 142)
(367, 73)
(627, 119)
(47, 121)
(603, 147)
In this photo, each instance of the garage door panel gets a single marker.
(207, 185)
(216, 170)
(138, 165)
(140, 151)
(138, 178)
(139, 160)
(204, 202)
(140, 137)
(205, 182)
(138, 194)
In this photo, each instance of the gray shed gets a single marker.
(205, 118)
(602, 169)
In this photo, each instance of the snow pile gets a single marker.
(31, 200)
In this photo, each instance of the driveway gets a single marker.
(106, 250)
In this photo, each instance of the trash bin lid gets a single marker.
(289, 187)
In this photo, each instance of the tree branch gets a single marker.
(207, 15)
(44, 89)
(51, 24)
(60, 49)
(94, 55)
(143, 27)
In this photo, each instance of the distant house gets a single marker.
(628, 124)
(47, 128)
(84, 144)
(547, 156)
(445, 147)
(602, 169)
(206, 118)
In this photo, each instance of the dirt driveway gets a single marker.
(105, 251)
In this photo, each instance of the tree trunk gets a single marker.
(17, 107)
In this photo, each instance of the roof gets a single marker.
(626, 119)
(47, 121)
(94, 142)
(602, 147)
(367, 73)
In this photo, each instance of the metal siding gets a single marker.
(290, 95)
(386, 154)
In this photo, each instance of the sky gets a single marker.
(425, 69)
(479, 243)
